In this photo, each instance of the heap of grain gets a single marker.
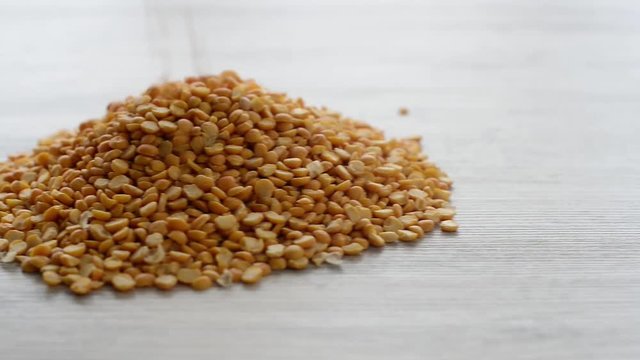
(211, 180)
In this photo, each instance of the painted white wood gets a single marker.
(531, 106)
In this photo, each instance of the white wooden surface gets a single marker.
(531, 106)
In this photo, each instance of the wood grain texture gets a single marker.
(531, 106)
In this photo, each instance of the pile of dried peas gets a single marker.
(212, 180)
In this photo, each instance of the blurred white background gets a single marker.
(64, 61)
(531, 106)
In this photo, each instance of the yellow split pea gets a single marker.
(212, 181)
